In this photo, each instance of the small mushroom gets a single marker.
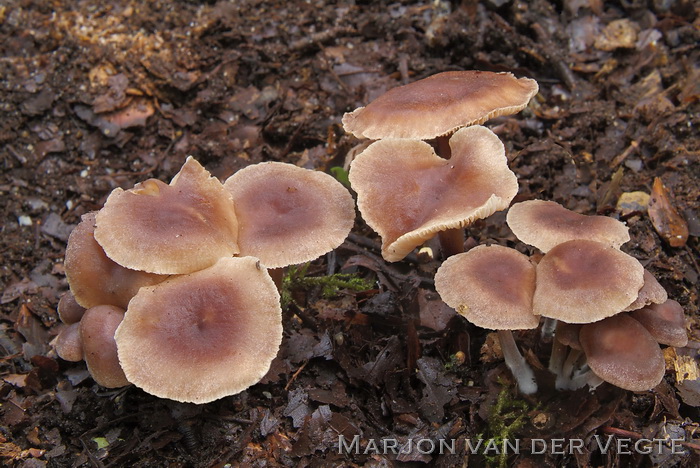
(651, 293)
(665, 322)
(289, 215)
(169, 229)
(621, 351)
(93, 277)
(492, 287)
(545, 224)
(202, 336)
(97, 329)
(582, 281)
(408, 194)
(68, 344)
(440, 104)
(69, 311)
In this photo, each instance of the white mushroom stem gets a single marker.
(548, 327)
(570, 365)
(556, 359)
(586, 377)
(522, 372)
(451, 242)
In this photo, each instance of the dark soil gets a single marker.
(99, 97)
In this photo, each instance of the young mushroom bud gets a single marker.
(621, 351)
(289, 215)
(68, 344)
(93, 277)
(202, 336)
(97, 329)
(545, 224)
(169, 229)
(408, 194)
(69, 311)
(492, 287)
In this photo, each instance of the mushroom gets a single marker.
(289, 215)
(651, 293)
(545, 224)
(97, 329)
(93, 277)
(621, 351)
(202, 336)
(169, 229)
(69, 311)
(665, 322)
(582, 281)
(492, 287)
(68, 344)
(408, 194)
(440, 104)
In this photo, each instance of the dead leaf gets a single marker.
(666, 220)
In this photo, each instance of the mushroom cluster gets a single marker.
(406, 190)
(175, 282)
(585, 283)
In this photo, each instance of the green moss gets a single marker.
(331, 285)
(506, 417)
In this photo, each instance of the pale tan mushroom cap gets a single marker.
(68, 344)
(651, 293)
(69, 311)
(665, 322)
(621, 351)
(544, 224)
(287, 214)
(169, 229)
(97, 329)
(582, 281)
(407, 193)
(93, 277)
(568, 334)
(199, 337)
(491, 286)
(440, 104)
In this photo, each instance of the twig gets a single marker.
(296, 374)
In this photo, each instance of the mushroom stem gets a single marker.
(451, 242)
(563, 381)
(586, 378)
(556, 359)
(277, 275)
(442, 146)
(548, 327)
(516, 363)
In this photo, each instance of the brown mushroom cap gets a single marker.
(69, 311)
(440, 104)
(93, 277)
(665, 322)
(582, 281)
(544, 224)
(169, 229)
(199, 337)
(567, 334)
(287, 214)
(651, 293)
(407, 193)
(97, 329)
(68, 344)
(491, 286)
(621, 351)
